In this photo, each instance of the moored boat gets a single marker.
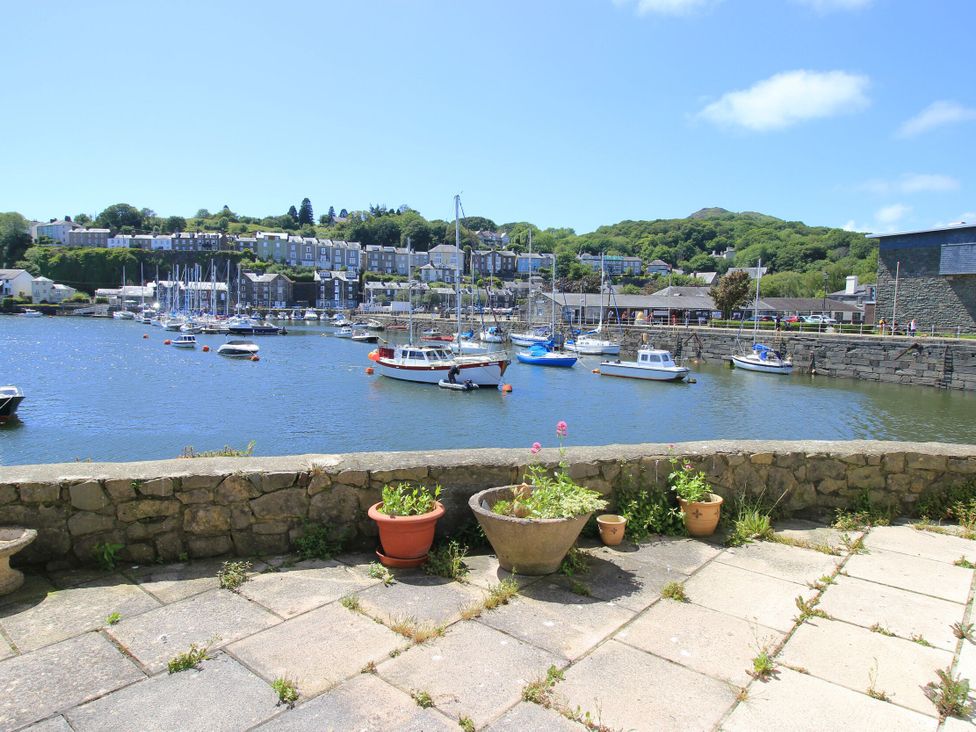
(185, 340)
(344, 332)
(364, 336)
(652, 364)
(31, 313)
(10, 399)
(540, 355)
(430, 365)
(764, 360)
(238, 349)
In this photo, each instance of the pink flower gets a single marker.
(688, 466)
(536, 447)
(561, 429)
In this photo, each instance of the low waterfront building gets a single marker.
(270, 290)
(60, 293)
(56, 229)
(16, 283)
(928, 276)
(88, 237)
(41, 289)
(337, 289)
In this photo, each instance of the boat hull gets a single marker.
(8, 407)
(594, 349)
(521, 339)
(482, 373)
(747, 363)
(634, 370)
(553, 360)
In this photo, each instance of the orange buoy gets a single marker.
(369, 370)
(255, 357)
(205, 349)
(506, 388)
(145, 335)
(167, 342)
(373, 355)
(596, 371)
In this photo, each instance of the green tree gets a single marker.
(731, 291)
(202, 213)
(331, 213)
(305, 215)
(293, 213)
(14, 238)
(343, 214)
(174, 224)
(119, 215)
(83, 219)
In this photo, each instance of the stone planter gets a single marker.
(525, 546)
(405, 539)
(701, 517)
(611, 528)
(12, 540)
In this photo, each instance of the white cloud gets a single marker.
(890, 215)
(667, 7)
(910, 183)
(790, 97)
(935, 115)
(826, 6)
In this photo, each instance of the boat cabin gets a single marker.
(646, 357)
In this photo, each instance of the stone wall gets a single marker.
(247, 506)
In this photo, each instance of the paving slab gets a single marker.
(625, 688)
(38, 684)
(916, 574)
(307, 585)
(675, 554)
(422, 597)
(758, 598)
(704, 640)
(790, 563)
(814, 533)
(472, 671)
(215, 618)
(73, 611)
(904, 613)
(54, 724)
(365, 704)
(6, 650)
(318, 649)
(176, 582)
(545, 614)
(485, 571)
(952, 724)
(221, 695)
(966, 663)
(35, 586)
(630, 583)
(527, 716)
(802, 703)
(77, 576)
(859, 659)
(926, 544)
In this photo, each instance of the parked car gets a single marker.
(819, 319)
(794, 319)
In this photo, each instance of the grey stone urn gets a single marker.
(525, 546)
(12, 540)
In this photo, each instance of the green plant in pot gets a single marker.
(406, 518)
(700, 507)
(532, 526)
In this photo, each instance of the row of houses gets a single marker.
(22, 284)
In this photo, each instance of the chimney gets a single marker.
(851, 286)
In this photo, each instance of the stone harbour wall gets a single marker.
(160, 511)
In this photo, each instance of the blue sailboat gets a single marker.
(541, 355)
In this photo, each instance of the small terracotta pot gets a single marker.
(612, 528)
(701, 517)
(406, 537)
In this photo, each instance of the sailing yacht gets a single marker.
(434, 364)
(545, 353)
(760, 357)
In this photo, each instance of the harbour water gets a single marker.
(97, 390)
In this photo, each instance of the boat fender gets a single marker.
(374, 355)
(255, 357)
(506, 388)
(596, 371)
(167, 342)
(205, 349)
(145, 335)
(369, 370)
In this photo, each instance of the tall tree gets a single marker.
(731, 291)
(202, 213)
(14, 238)
(305, 215)
(343, 214)
(118, 215)
(331, 214)
(293, 213)
(83, 219)
(174, 224)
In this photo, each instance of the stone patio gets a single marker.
(626, 658)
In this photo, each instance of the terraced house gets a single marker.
(266, 290)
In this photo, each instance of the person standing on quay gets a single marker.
(882, 324)
(911, 328)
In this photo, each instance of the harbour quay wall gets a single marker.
(203, 507)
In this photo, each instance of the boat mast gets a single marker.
(457, 266)
(755, 308)
(409, 295)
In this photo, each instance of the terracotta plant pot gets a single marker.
(701, 517)
(405, 537)
(612, 528)
(525, 546)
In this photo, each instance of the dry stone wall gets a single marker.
(161, 511)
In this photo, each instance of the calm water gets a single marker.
(96, 389)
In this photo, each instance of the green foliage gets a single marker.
(674, 591)
(945, 504)
(540, 690)
(648, 511)
(950, 695)
(501, 593)
(808, 609)
(318, 541)
(963, 562)
(306, 217)
(119, 216)
(963, 630)
(188, 659)
(688, 483)
(548, 497)
(232, 575)
(447, 560)
(378, 571)
(731, 291)
(751, 523)
(423, 700)
(225, 451)
(575, 562)
(863, 514)
(466, 724)
(106, 555)
(406, 500)
(763, 666)
(113, 618)
(351, 602)
(286, 690)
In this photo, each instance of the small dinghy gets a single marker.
(457, 385)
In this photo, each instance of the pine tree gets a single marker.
(293, 212)
(305, 215)
(331, 213)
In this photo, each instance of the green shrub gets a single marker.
(319, 542)
(447, 560)
(406, 500)
(649, 511)
(106, 555)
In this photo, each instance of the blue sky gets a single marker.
(857, 113)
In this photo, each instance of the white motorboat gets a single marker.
(763, 359)
(537, 335)
(343, 332)
(185, 340)
(311, 315)
(123, 315)
(31, 313)
(430, 365)
(591, 345)
(173, 324)
(652, 364)
(10, 399)
(238, 349)
(364, 336)
(190, 327)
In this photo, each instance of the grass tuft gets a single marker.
(540, 690)
(318, 542)
(416, 632)
(369, 668)
(447, 560)
(950, 695)
(233, 574)
(351, 602)
(578, 588)
(809, 609)
(113, 618)
(674, 591)
(466, 724)
(423, 699)
(189, 659)
(501, 593)
(752, 522)
(916, 638)
(963, 562)
(963, 630)
(286, 690)
(879, 628)
(763, 666)
(575, 562)
(377, 571)
(225, 451)
(821, 547)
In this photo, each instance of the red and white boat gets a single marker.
(431, 365)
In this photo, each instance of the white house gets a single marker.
(41, 289)
(56, 229)
(60, 293)
(445, 255)
(119, 241)
(16, 283)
